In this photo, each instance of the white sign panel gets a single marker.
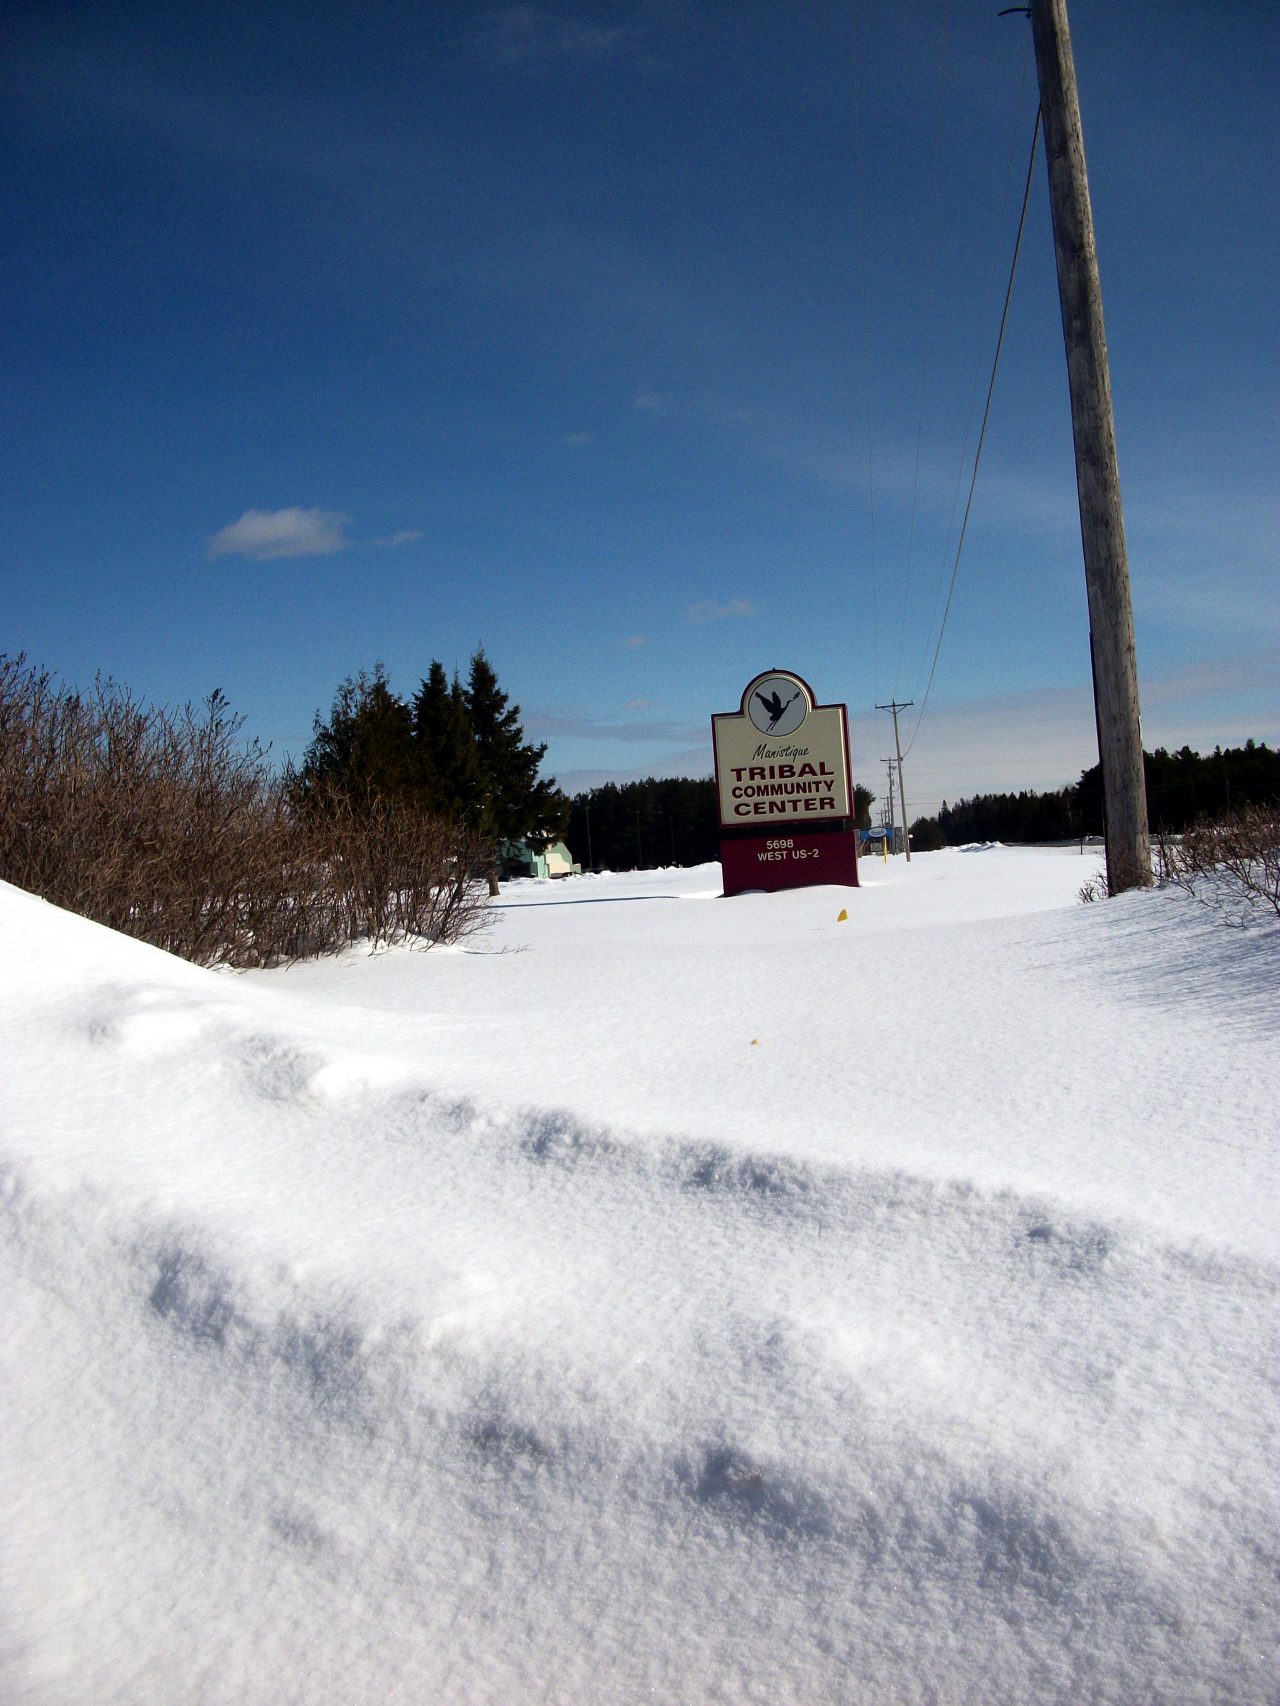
(781, 758)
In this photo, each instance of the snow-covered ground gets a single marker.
(660, 1297)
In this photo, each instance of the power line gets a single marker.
(930, 277)
(982, 431)
(988, 306)
(860, 245)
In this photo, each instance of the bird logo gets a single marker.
(775, 705)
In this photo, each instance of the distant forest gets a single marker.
(672, 820)
(1182, 787)
(660, 821)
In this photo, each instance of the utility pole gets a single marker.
(895, 707)
(887, 818)
(1106, 564)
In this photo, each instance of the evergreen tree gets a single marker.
(458, 751)
(513, 802)
(926, 835)
(445, 748)
(863, 800)
(1183, 787)
(366, 747)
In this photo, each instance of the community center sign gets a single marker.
(783, 787)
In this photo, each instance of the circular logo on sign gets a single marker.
(777, 705)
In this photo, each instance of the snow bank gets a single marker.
(388, 1329)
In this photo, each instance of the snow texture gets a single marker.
(661, 1298)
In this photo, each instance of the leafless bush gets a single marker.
(1094, 888)
(389, 871)
(1231, 863)
(164, 825)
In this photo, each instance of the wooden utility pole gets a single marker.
(1106, 565)
(891, 819)
(895, 707)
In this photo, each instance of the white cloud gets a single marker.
(652, 402)
(1045, 737)
(572, 727)
(693, 761)
(1213, 679)
(633, 642)
(531, 39)
(264, 534)
(1040, 739)
(709, 611)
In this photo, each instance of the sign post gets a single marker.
(783, 789)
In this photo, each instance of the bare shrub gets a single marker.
(166, 826)
(1094, 888)
(1230, 863)
(388, 870)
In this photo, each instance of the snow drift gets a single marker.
(674, 1299)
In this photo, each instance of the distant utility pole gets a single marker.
(895, 707)
(887, 817)
(1106, 564)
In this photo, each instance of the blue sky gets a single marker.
(639, 343)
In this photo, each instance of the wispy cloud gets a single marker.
(709, 611)
(1215, 679)
(83, 73)
(633, 642)
(1044, 737)
(533, 39)
(568, 727)
(264, 535)
(690, 761)
(652, 402)
(576, 438)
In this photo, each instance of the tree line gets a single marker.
(669, 820)
(1183, 788)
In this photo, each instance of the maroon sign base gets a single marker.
(788, 861)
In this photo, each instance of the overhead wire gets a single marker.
(930, 278)
(982, 431)
(988, 306)
(860, 250)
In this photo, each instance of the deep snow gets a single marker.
(660, 1298)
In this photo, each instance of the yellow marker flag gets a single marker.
(844, 915)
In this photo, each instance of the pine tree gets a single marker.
(863, 800)
(366, 747)
(458, 751)
(514, 802)
(448, 769)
